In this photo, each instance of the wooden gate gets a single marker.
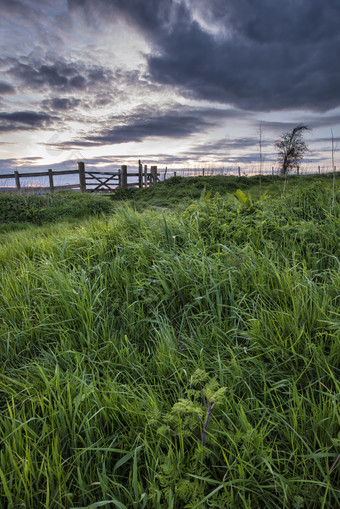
(102, 180)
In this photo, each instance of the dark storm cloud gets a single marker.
(6, 88)
(59, 75)
(179, 122)
(276, 56)
(137, 129)
(61, 103)
(170, 125)
(262, 55)
(24, 121)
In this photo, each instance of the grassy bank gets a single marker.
(174, 358)
(20, 210)
(180, 190)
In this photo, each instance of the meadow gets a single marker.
(174, 347)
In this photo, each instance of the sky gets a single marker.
(171, 82)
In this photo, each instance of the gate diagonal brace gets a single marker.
(102, 181)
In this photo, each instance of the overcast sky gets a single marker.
(173, 82)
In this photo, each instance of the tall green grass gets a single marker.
(104, 325)
(18, 210)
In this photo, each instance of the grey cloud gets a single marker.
(58, 75)
(6, 165)
(277, 128)
(138, 129)
(336, 140)
(6, 88)
(325, 146)
(176, 122)
(330, 120)
(15, 7)
(78, 81)
(225, 145)
(36, 76)
(24, 120)
(224, 150)
(61, 103)
(169, 125)
(31, 23)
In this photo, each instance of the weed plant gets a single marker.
(183, 358)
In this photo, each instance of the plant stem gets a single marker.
(206, 424)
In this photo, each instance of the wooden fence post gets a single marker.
(17, 180)
(239, 171)
(203, 172)
(50, 178)
(272, 170)
(298, 170)
(319, 169)
(153, 174)
(140, 175)
(166, 169)
(124, 176)
(82, 179)
(145, 175)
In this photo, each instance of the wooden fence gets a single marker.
(237, 171)
(97, 181)
(88, 180)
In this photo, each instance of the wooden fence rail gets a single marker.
(89, 180)
(95, 181)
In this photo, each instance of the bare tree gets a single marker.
(291, 148)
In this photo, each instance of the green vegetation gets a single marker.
(184, 356)
(46, 208)
(181, 190)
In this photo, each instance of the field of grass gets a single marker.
(172, 352)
